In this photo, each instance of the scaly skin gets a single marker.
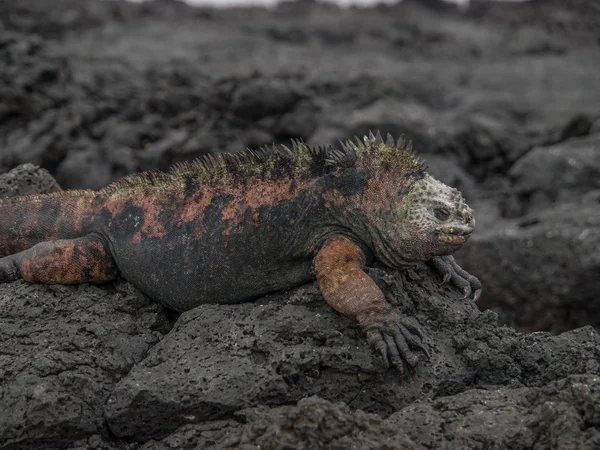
(232, 228)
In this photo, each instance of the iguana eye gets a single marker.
(441, 213)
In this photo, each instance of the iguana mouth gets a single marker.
(455, 239)
(455, 235)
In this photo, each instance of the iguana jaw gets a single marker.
(454, 235)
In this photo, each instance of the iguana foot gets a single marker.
(392, 336)
(449, 270)
(8, 270)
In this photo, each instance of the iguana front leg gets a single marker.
(350, 291)
(450, 271)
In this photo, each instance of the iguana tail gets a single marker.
(28, 220)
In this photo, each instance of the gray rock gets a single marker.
(62, 349)
(25, 180)
(312, 424)
(258, 98)
(300, 123)
(318, 424)
(220, 359)
(565, 414)
(88, 169)
(558, 173)
(214, 435)
(541, 272)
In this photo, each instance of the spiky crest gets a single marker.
(395, 155)
(272, 162)
(42, 197)
(267, 162)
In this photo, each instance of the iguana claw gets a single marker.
(8, 269)
(449, 270)
(393, 337)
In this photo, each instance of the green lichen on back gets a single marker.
(397, 156)
(256, 169)
(303, 156)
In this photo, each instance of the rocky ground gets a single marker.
(503, 101)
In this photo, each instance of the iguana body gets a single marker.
(231, 228)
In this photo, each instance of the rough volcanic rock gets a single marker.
(220, 359)
(313, 423)
(213, 435)
(565, 414)
(25, 180)
(540, 272)
(561, 415)
(318, 424)
(62, 350)
(258, 98)
(554, 174)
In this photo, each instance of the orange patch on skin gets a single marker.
(83, 208)
(255, 218)
(262, 194)
(58, 262)
(195, 207)
(152, 227)
(194, 210)
(345, 286)
(115, 206)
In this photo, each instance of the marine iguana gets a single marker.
(232, 227)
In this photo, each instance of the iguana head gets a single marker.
(409, 216)
(432, 219)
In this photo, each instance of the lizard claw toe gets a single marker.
(394, 352)
(8, 270)
(475, 287)
(414, 329)
(377, 343)
(415, 341)
(447, 267)
(393, 337)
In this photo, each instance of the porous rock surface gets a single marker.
(26, 180)
(564, 414)
(220, 359)
(501, 100)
